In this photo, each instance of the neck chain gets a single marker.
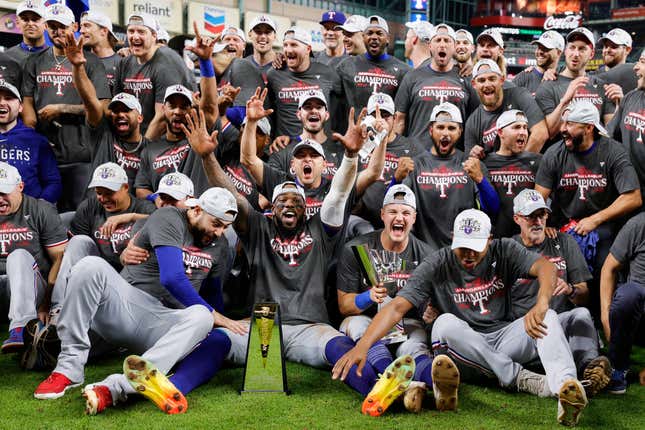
(59, 64)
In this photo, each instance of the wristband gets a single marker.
(363, 300)
(206, 68)
(152, 197)
(573, 292)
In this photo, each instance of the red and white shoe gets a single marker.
(54, 386)
(97, 399)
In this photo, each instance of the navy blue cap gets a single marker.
(333, 16)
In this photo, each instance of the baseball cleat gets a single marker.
(618, 382)
(42, 346)
(14, 343)
(414, 395)
(445, 383)
(391, 384)
(54, 387)
(596, 375)
(97, 399)
(571, 401)
(533, 383)
(151, 383)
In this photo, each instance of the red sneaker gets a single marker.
(97, 399)
(54, 386)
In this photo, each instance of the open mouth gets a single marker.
(307, 170)
(4, 207)
(398, 228)
(442, 54)
(314, 118)
(4, 111)
(520, 142)
(289, 215)
(122, 124)
(231, 49)
(444, 143)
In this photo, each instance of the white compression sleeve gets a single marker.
(332, 211)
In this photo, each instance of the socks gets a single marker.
(423, 370)
(335, 349)
(379, 357)
(202, 363)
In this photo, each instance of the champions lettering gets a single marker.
(136, 86)
(634, 119)
(289, 251)
(442, 93)
(511, 179)
(313, 207)
(125, 160)
(293, 94)
(488, 139)
(478, 295)
(55, 79)
(240, 183)
(583, 182)
(196, 260)
(8, 237)
(171, 159)
(369, 79)
(442, 181)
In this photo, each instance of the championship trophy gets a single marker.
(265, 370)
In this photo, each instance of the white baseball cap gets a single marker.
(179, 89)
(617, 36)
(584, 112)
(550, 40)
(176, 185)
(9, 178)
(510, 117)
(264, 19)
(229, 30)
(13, 90)
(218, 202)
(110, 176)
(99, 19)
(308, 143)
(582, 32)
(471, 230)
(400, 194)
(354, 24)
(493, 34)
(34, 6)
(448, 108)
(448, 31)
(162, 34)
(486, 65)
(423, 29)
(60, 13)
(311, 94)
(528, 201)
(383, 101)
(262, 124)
(130, 101)
(143, 19)
(288, 187)
(299, 34)
(464, 34)
(378, 22)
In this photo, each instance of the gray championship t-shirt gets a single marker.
(628, 127)
(565, 254)
(348, 273)
(480, 297)
(443, 189)
(10, 71)
(422, 89)
(109, 148)
(549, 94)
(629, 248)
(169, 226)
(510, 175)
(91, 215)
(290, 271)
(159, 158)
(582, 184)
(243, 74)
(324, 58)
(362, 76)
(34, 227)
(286, 87)
(481, 128)
(111, 63)
(49, 81)
(529, 80)
(622, 75)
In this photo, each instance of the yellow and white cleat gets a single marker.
(392, 383)
(151, 383)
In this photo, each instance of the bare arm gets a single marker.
(55, 254)
(399, 122)
(547, 276)
(203, 48)
(157, 126)
(539, 135)
(29, 112)
(554, 119)
(623, 205)
(204, 145)
(546, 192)
(608, 276)
(92, 106)
(248, 153)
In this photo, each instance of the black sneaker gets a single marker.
(42, 346)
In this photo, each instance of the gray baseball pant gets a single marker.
(24, 286)
(98, 297)
(502, 352)
(581, 333)
(303, 343)
(78, 247)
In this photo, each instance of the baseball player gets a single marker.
(469, 282)
(32, 241)
(153, 307)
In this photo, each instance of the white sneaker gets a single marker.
(533, 383)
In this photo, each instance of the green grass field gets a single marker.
(317, 402)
